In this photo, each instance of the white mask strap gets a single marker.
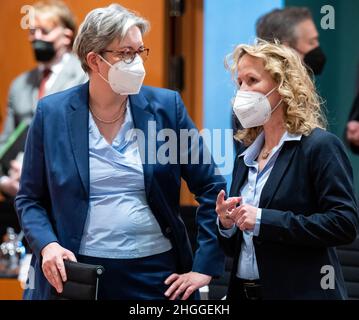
(109, 64)
(270, 92)
(103, 77)
(103, 59)
(280, 101)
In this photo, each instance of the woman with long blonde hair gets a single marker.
(291, 200)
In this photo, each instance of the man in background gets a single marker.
(294, 27)
(51, 38)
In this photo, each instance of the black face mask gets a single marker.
(315, 60)
(44, 50)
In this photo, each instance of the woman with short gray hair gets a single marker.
(101, 27)
(89, 191)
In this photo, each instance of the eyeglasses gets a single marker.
(128, 56)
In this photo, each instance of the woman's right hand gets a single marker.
(53, 256)
(225, 207)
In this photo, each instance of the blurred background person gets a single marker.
(352, 128)
(352, 133)
(295, 28)
(51, 38)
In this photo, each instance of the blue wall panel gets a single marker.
(226, 24)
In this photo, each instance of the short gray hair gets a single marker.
(102, 26)
(281, 24)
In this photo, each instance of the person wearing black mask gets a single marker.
(295, 28)
(51, 37)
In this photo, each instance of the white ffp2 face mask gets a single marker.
(253, 108)
(125, 78)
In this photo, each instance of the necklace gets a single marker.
(266, 153)
(122, 112)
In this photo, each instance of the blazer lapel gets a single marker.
(78, 119)
(239, 177)
(284, 158)
(142, 115)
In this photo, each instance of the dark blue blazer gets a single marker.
(309, 207)
(53, 199)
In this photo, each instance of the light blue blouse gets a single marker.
(251, 193)
(119, 224)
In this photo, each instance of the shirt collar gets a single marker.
(57, 67)
(253, 150)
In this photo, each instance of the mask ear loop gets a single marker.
(278, 104)
(103, 59)
(267, 94)
(280, 101)
(109, 64)
(270, 92)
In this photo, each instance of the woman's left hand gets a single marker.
(244, 217)
(185, 283)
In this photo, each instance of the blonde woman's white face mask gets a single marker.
(253, 108)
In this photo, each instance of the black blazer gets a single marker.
(308, 208)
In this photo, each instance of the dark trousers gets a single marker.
(245, 290)
(134, 279)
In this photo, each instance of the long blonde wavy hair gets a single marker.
(302, 105)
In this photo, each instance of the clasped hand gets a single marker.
(243, 216)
